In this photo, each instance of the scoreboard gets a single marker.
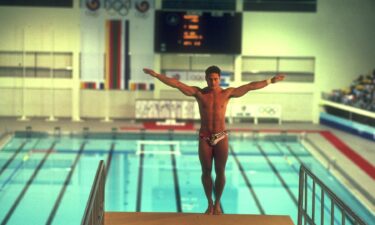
(198, 32)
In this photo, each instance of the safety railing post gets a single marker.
(336, 202)
(300, 196)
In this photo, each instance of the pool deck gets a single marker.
(119, 218)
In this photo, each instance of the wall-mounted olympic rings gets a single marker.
(120, 7)
(267, 110)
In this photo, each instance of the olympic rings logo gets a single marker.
(267, 110)
(120, 7)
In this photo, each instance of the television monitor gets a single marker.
(198, 32)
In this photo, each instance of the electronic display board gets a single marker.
(198, 32)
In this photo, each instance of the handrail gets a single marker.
(94, 212)
(346, 212)
(348, 108)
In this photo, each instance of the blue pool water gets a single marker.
(47, 180)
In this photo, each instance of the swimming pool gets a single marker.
(46, 179)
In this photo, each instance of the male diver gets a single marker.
(213, 137)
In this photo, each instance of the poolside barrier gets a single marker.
(307, 216)
(94, 212)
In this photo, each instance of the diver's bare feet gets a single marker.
(217, 210)
(210, 209)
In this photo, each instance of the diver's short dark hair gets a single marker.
(213, 69)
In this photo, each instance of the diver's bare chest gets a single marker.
(215, 101)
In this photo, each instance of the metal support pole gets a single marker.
(23, 117)
(107, 104)
(52, 80)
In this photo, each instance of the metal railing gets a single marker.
(94, 212)
(306, 216)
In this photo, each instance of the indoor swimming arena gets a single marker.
(166, 112)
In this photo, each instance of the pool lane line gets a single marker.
(175, 177)
(140, 179)
(24, 159)
(109, 159)
(131, 152)
(291, 152)
(11, 158)
(248, 184)
(65, 185)
(298, 131)
(28, 183)
(276, 172)
(89, 152)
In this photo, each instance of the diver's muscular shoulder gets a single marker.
(230, 89)
(202, 91)
(227, 92)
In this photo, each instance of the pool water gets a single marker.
(46, 179)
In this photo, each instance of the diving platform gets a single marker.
(95, 213)
(152, 218)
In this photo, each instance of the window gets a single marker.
(298, 69)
